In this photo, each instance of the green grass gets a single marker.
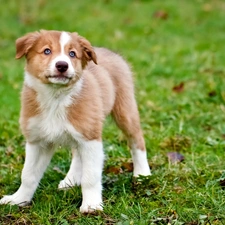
(187, 46)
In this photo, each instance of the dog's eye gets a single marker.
(72, 54)
(47, 51)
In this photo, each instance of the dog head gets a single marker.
(55, 57)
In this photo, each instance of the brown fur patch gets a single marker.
(88, 51)
(29, 107)
(86, 114)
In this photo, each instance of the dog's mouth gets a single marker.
(59, 78)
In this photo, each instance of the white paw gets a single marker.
(142, 172)
(92, 202)
(91, 208)
(69, 182)
(65, 184)
(14, 200)
(141, 166)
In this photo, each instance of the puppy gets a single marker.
(69, 89)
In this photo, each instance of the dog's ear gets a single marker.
(24, 44)
(87, 50)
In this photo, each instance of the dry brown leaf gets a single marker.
(127, 166)
(161, 14)
(114, 169)
(175, 157)
(222, 183)
(212, 93)
(179, 88)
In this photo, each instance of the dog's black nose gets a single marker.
(61, 66)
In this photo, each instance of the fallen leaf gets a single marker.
(212, 93)
(179, 88)
(127, 166)
(114, 169)
(161, 14)
(120, 165)
(222, 182)
(175, 157)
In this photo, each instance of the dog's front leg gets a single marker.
(92, 158)
(36, 161)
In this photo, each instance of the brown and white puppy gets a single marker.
(69, 89)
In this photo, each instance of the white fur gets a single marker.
(64, 39)
(140, 162)
(92, 157)
(86, 169)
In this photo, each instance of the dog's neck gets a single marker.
(48, 92)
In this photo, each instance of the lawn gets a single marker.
(177, 53)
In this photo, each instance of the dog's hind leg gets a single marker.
(126, 116)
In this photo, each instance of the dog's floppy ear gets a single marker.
(87, 50)
(24, 44)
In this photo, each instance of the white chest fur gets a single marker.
(52, 125)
